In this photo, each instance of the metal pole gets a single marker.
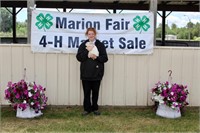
(153, 8)
(14, 24)
(30, 3)
(189, 26)
(163, 28)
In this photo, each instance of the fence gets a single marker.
(127, 80)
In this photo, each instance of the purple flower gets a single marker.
(23, 106)
(174, 95)
(17, 96)
(7, 93)
(9, 84)
(23, 94)
(35, 97)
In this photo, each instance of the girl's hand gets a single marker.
(93, 56)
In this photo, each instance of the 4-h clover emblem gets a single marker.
(44, 21)
(141, 24)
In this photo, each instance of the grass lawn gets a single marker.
(113, 119)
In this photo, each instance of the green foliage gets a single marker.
(174, 26)
(197, 38)
(6, 25)
(191, 30)
(6, 20)
(21, 29)
(159, 32)
(5, 34)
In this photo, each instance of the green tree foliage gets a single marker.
(196, 30)
(21, 29)
(174, 26)
(182, 33)
(159, 31)
(6, 20)
(191, 29)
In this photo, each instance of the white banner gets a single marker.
(64, 32)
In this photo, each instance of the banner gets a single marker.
(63, 32)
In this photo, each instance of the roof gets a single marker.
(163, 5)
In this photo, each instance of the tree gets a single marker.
(195, 30)
(182, 33)
(174, 26)
(159, 31)
(6, 21)
(190, 25)
(21, 29)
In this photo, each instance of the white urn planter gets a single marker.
(27, 113)
(167, 112)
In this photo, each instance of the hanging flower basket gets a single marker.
(171, 98)
(27, 98)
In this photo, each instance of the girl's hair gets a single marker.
(91, 29)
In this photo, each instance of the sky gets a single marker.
(179, 18)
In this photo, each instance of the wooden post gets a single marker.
(30, 3)
(153, 8)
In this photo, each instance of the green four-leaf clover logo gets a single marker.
(44, 21)
(141, 24)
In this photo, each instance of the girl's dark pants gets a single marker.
(88, 88)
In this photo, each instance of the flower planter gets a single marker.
(167, 112)
(27, 113)
(171, 98)
(23, 94)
